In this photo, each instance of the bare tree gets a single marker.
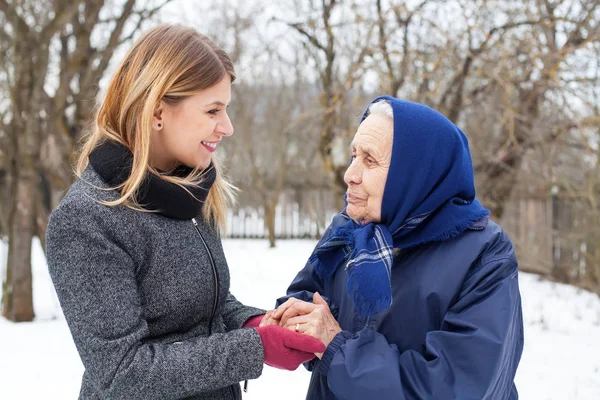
(338, 41)
(493, 73)
(533, 71)
(274, 148)
(42, 122)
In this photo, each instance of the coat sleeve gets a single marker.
(474, 355)
(96, 285)
(235, 314)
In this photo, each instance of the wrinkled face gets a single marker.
(367, 174)
(190, 131)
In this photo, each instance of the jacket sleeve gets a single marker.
(235, 314)
(96, 285)
(474, 355)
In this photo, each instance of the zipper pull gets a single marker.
(194, 222)
(246, 386)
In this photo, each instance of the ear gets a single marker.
(157, 119)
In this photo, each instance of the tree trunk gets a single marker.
(18, 293)
(4, 201)
(270, 221)
(30, 63)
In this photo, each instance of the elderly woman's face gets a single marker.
(367, 174)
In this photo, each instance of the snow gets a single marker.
(561, 359)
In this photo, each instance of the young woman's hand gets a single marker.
(287, 350)
(268, 319)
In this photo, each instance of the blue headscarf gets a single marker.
(429, 196)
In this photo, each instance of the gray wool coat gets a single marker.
(147, 301)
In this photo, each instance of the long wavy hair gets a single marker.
(168, 63)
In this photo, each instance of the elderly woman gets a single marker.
(420, 289)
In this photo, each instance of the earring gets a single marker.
(160, 125)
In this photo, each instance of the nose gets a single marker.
(353, 175)
(224, 126)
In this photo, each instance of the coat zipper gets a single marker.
(215, 276)
(216, 288)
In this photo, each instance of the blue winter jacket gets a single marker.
(454, 330)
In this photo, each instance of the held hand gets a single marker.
(268, 319)
(287, 350)
(314, 320)
(261, 320)
(253, 322)
(293, 308)
(287, 310)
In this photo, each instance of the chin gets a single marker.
(349, 210)
(361, 218)
(200, 164)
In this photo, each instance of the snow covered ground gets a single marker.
(561, 360)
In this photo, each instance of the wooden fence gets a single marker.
(548, 233)
(552, 236)
(298, 215)
(529, 223)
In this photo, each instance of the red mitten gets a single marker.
(253, 322)
(285, 349)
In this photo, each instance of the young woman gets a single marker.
(134, 249)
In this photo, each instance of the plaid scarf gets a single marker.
(429, 196)
(369, 265)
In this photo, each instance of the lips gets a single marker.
(352, 198)
(210, 146)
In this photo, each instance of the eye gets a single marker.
(214, 111)
(370, 161)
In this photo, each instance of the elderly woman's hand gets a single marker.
(313, 319)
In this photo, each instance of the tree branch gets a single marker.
(383, 44)
(311, 38)
(14, 18)
(113, 41)
(144, 15)
(64, 13)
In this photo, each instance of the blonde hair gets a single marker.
(168, 63)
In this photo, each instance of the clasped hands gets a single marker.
(312, 319)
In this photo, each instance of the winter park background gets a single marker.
(521, 78)
(561, 359)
